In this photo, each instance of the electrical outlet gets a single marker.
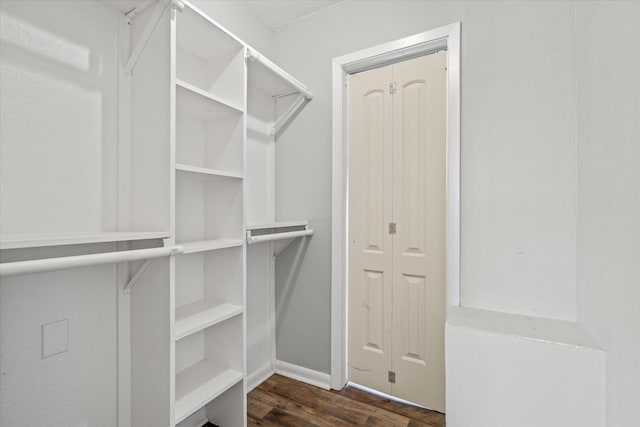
(55, 338)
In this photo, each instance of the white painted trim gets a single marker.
(306, 375)
(408, 47)
(259, 376)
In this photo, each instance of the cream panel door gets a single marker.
(419, 244)
(370, 251)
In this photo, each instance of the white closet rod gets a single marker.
(277, 236)
(255, 56)
(60, 263)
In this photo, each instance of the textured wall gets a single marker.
(57, 138)
(518, 155)
(609, 195)
(59, 91)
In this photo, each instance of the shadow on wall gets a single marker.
(292, 262)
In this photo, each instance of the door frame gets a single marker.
(447, 37)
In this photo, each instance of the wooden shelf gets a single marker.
(199, 103)
(206, 173)
(62, 239)
(192, 246)
(199, 384)
(200, 315)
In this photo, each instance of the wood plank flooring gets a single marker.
(281, 401)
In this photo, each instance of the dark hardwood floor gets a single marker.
(280, 401)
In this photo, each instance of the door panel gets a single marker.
(397, 281)
(370, 250)
(419, 210)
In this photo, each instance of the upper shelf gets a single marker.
(194, 27)
(270, 78)
(199, 103)
(61, 239)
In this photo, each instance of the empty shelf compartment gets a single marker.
(199, 315)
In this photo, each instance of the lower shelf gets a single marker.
(198, 385)
(199, 315)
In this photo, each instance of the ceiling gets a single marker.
(273, 13)
(277, 13)
(125, 6)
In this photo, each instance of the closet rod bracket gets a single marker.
(176, 5)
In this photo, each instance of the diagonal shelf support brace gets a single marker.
(127, 288)
(284, 246)
(155, 18)
(290, 114)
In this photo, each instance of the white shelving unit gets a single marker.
(208, 364)
(86, 203)
(177, 151)
(274, 99)
(209, 330)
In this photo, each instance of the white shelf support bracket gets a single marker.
(284, 246)
(290, 114)
(144, 267)
(155, 18)
(127, 288)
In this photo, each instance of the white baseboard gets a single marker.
(306, 375)
(259, 376)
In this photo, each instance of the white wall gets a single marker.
(236, 17)
(58, 136)
(518, 151)
(59, 91)
(524, 372)
(609, 195)
(73, 388)
(549, 118)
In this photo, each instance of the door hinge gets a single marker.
(392, 88)
(392, 228)
(392, 377)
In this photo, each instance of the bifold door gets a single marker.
(397, 156)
